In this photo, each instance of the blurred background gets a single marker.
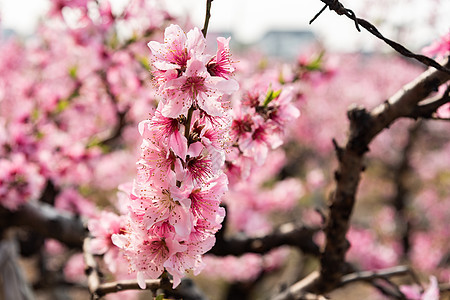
(281, 26)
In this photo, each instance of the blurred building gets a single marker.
(286, 44)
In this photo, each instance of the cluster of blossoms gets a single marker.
(174, 201)
(19, 182)
(259, 122)
(262, 111)
(62, 98)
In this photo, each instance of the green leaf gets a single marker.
(144, 62)
(114, 41)
(34, 115)
(73, 72)
(271, 94)
(62, 105)
(160, 297)
(316, 64)
(96, 142)
(39, 135)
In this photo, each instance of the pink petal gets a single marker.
(195, 149)
(141, 280)
(178, 143)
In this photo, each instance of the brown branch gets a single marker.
(402, 173)
(298, 290)
(428, 107)
(123, 285)
(207, 17)
(372, 275)
(385, 275)
(115, 135)
(337, 7)
(404, 102)
(364, 127)
(186, 290)
(288, 234)
(46, 220)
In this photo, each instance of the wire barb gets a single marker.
(339, 9)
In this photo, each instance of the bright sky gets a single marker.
(250, 19)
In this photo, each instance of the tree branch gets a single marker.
(186, 290)
(207, 17)
(364, 127)
(298, 290)
(372, 275)
(428, 107)
(46, 220)
(288, 234)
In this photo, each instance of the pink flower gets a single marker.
(444, 111)
(439, 48)
(205, 201)
(262, 139)
(161, 130)
(20, 181)
(432, 292)
(157, 163)
(170, 130)
(413, 292)
(177, 48)
(75, 267)
(102, 228)
(187, 257)
(196, 86)
(147, 253)
(70, 200)
(155, 204)
(220, 65)
(174, 201)
(242, 126)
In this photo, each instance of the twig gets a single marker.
(116, 134)
(298, 290)
(372, 275)
(207, 17)
(123, 285)
(388, 288)
(288, 234)
(336, 6)
(428, 107)
(92, 271)
(444, 287)
(187, 290)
